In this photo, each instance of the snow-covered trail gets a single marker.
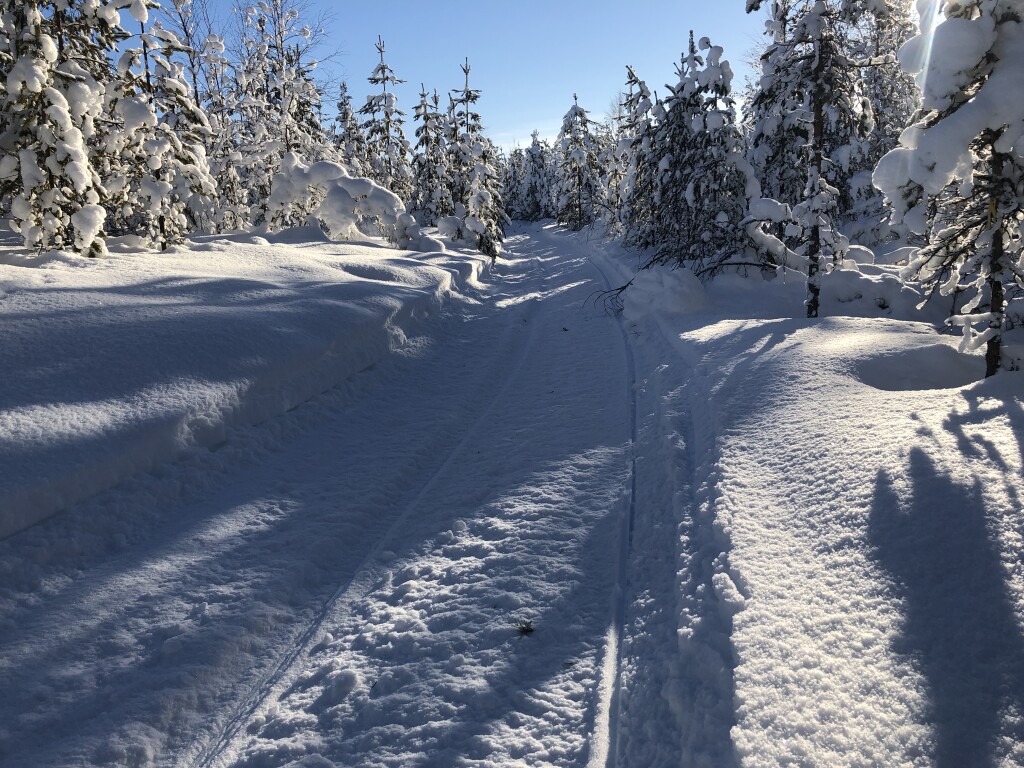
(350, 581)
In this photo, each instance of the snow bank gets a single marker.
(117, 364)
(669, 290)
(850, 589)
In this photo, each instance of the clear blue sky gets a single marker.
(528, 57)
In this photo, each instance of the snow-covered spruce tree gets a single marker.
(276, 103)
(462, 127)
(474, 174)
(387, 148)
(606, 136)
(578, 185)
(59, 56)
(512, 183)
(167, 190)
(431, 197)
(819, 95)
(348, 136)
(485, 210)
(189, 21)
(536, 192)
(636, 148)
(671, 153)
(958, 175)
(777, 116)
(894, 99)
(705, 181)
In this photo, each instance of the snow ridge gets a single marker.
(97, 432)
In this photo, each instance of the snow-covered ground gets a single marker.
(332, 504)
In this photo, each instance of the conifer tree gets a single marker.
(431, 196)
(704, 181)
(275, 103)
(957, 177)
(820, 99)
(229, 135)
(59, 54)
(387, 147)
(170, 190)
(475, 176)
(579, 191)
(894, 100)
(673, 151)
(636, 155)
(536, 191)
(512, 183)
(777, 117)
(348, 136)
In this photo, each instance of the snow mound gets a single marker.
(221, 333)
(936, 366)
(852, 292)
(677, 291)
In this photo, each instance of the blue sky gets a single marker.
(528, 57)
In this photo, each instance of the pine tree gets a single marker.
(229, 135)
(387, 147)
(958, 176)
(636, 155)
(431, 197)
(348, 136)
(703, 187)
(579, 192)
(476, 179)
(894, 100)
(177, 190)
(673, 151)
(512, 183)
(818, 96)
(275, 103)
(777, 118)
(59, 57)
(536, 191)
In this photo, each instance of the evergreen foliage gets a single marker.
(536, 201)
(431, 197)
(957, 177)
(579, 193)
(59, 59)
(348, 136)
(387, 148)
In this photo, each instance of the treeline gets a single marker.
(119, 117)
(838, 143)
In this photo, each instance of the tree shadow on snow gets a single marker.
(959, 626)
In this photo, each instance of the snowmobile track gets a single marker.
(217, 749)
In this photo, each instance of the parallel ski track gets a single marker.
(622, 584)
(217, 749)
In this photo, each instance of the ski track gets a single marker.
(345, 584)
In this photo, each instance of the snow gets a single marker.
(357, 506)
(866, 528)
(128, 361)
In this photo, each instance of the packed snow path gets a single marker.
(423, 566)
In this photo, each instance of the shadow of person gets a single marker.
(959, 627)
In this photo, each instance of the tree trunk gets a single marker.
(993, 350)
(814, 178)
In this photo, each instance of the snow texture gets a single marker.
(519, 531)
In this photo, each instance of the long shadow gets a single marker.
(959, 628)
(987, 403)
